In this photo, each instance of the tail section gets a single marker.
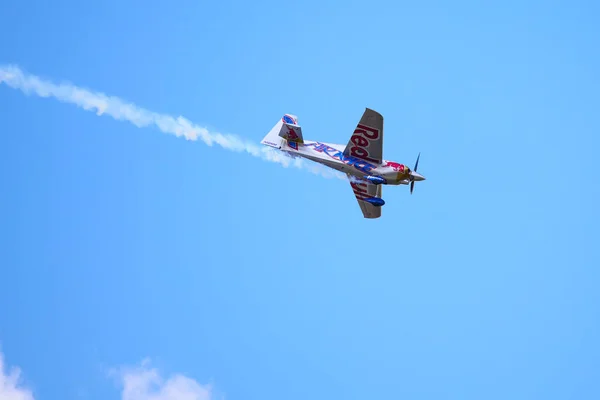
(287, 129)
(290, 130)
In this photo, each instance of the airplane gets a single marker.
(361, 159)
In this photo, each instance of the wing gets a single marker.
(364, 191)
(366, 142)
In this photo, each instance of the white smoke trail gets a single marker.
(121, 110)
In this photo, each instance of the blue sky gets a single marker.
(130, 254)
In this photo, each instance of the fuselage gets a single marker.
(332, 155)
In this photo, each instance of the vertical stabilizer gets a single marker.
(286, 129)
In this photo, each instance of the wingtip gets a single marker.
(368, 109)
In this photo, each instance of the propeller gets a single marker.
(412, 177)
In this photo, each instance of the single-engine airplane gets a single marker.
(361, 159)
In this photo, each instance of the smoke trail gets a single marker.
(121, 110)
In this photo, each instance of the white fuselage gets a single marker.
(332, 155)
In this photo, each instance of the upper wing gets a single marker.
(367, 140)
(363, 191)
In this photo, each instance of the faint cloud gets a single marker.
(138, 383)
(10, 388)
(146, 383)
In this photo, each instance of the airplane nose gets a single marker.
(417, 177)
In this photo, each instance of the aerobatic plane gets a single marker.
(361, 159)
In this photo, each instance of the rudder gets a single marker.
(288, 129)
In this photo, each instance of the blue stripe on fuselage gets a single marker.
(357, 163)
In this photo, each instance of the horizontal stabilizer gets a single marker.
(286, 128)
(291, 131)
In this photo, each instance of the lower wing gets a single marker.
(368, 196)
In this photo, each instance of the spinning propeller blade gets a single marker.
(412, 177)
